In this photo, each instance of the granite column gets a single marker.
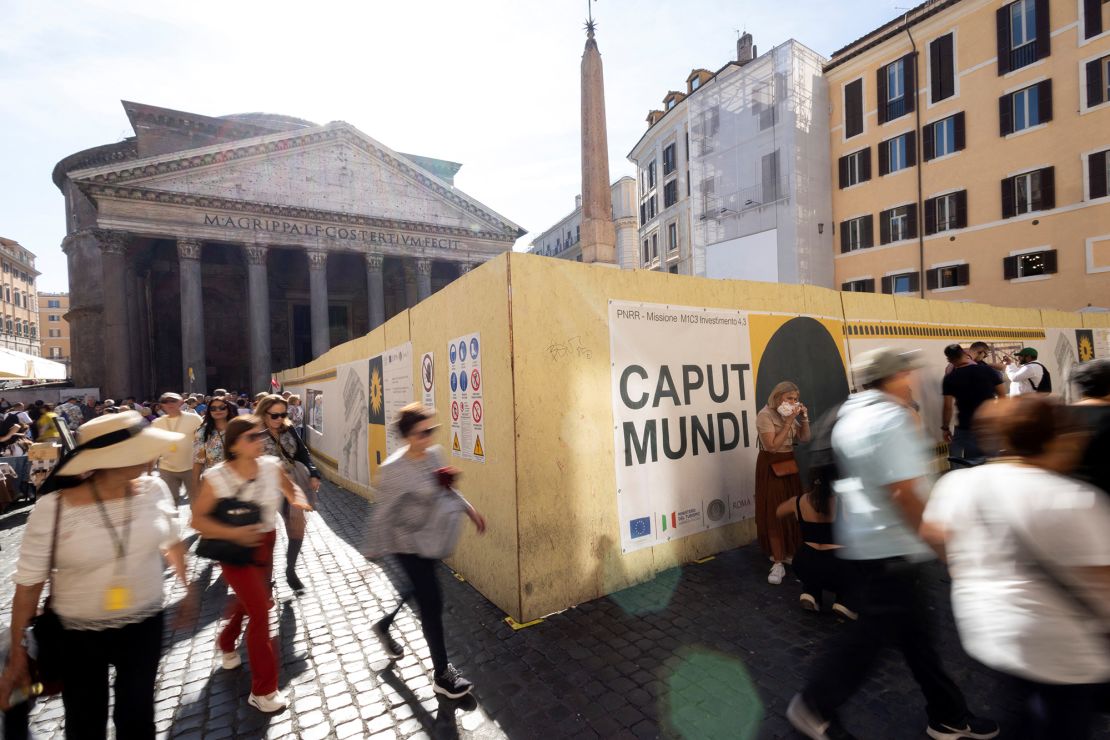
(194, 364)
(423, 279)
(117, 342)
(318, 301)
(375, 290)
(258, 296)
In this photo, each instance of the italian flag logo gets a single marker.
(672, 523)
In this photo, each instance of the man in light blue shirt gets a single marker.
(883, 467)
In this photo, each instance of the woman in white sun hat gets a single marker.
(108, 529)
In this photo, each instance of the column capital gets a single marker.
(256, 253)
(111, 242)
(423, 266)
(465, 267)
(317, 260)
(374, 261)
(189, 249)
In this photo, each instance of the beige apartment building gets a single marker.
(970, 148)
(55, 328)
(19, 308)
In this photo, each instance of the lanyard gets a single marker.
(119, 542)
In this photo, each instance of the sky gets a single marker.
(493, 84)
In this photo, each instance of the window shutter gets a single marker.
(1044, 101)
(888, 284)
(915, 282)
(884, 157)
(846, 287)
(911, 148)
(1096, 170)
(935, 87)
(930, 216)
(865, 165)
(867, 237)
(868, 285)
(842, 163)
(948, 66)
(961, 132)
(911, 220)
(1009, 268)
(1005, 115)
(1048, 188)
(927, 145)
(961, 209)
(1094, 83)
(843, 237)
(932, 279)
(884, 227)
(909, 85)
(853, 108)
(1050, 261)
(1092, 18)
(963, 274)
(1008, 210)
(880, 91)
(1044, 35)
(1002, 20)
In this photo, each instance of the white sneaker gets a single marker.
(778, 570)
(270, 703)
(808, 603)
(231, 661)
(845, 612)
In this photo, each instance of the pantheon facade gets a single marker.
(207, 251)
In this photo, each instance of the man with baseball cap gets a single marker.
(176, 464)
(1025, 374)
(884, 463)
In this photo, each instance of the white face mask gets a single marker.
(786, 408)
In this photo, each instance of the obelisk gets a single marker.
(599, 236)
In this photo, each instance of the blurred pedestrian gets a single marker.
(287, 447)
(176, 464)
(1028, 552)
(964, 389)
(883, 458)
(247, 475)
(208, 440)
(417, 519)
(106, 527)
(1092, 381)
(782, 423)
(296, 414)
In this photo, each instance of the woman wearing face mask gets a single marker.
(782, 423)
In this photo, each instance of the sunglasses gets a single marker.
(282, 415)
(217, 408)
(259, 435)
(425, 433)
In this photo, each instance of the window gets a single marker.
(1025, 108)
(653, 207)
(52, 303)
(763, 106)
(651, 174)
(655, 246)
(1098, 174)
(672, 103)
(946, 212)
(52, 317)
(853, 109)
(1098, 81)
(695, 84)
(1029, 191)
(769, 171)
(898, 153)
(668, 160)
(856, 234)
(673, 270)
(577, 233)
(1029, 264)
(643, 213)
(647, 252)
(670, 193)
(896, 89)
(7, 269)
(55, 333)
(18, 329)
(855, 168)
(905, 282)
(867, 285)
(942, 68)
(949, 276)
(8, 325)
(1023, 34)
(55, 351)
(896, 224)
(944, 137)
(672, 237)
(1092, 18)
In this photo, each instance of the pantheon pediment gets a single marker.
(333, 169)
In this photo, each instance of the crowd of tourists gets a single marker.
(1021, 519)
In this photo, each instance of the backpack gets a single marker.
(1045, 386)
(823, 470)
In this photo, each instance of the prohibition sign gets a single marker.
(476, 412)
(426, 373)
(454, 410)
(475, 379)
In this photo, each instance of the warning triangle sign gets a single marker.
(455, 446)
(478, 447)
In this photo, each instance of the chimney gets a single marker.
(745, 49)
(577, 202)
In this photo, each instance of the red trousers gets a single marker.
(251, 584)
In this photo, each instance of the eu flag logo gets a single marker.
(640, 527)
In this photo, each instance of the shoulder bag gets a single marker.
(232, 512)
(43, 636)
(298, 471)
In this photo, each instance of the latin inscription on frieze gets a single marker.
(328, 231)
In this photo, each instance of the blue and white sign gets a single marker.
(462, 380)
(454, 353)
(468, 436)
(454, 382)
(474, 348)
(462, 351)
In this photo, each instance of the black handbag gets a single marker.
(45, 633)
(233, 512)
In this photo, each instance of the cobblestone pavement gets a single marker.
(706, 650)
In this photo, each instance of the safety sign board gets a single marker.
(428, 380)
(465, 374)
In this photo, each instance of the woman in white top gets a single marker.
(1029, 553)
(248, 475)
(114, 526)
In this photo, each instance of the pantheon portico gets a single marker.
(205, 251)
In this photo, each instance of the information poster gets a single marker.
(353, 461)
(683, 420)
(314, 411)
(397, 386)
(468, 438)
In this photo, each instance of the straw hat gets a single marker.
(116, 441)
